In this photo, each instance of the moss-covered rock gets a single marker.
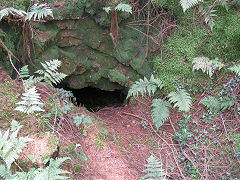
(89, 56)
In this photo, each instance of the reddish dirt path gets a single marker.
(120, 159)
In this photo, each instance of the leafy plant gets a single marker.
(24, 72)
(206, 65)
(120, 7)
(216, 104)
(160, 112)
(181, 99)
(145, 86)
(184, 133)
(208, 16)
(124, 8)
(235, 69)
(30, 101)
(53, 172)
(12, 11)
(38, 12)
(50, 73)
(83, 119)
(10, 145)
(186, 4)
(154, 169)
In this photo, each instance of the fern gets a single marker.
(30, 101)
(181, 99)
(215, 104)
(160, 112)
(208, 17)
(145, 86)
(124, 8)
(38, 12)
(52, 172)
(10, 145)
(235, 69)
(12, 11)
(154, 170)
(24, 72)
(206, 65)
(186, 4)
(50, 71)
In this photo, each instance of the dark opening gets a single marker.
(94, 99)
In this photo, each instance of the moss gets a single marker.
(180, 50)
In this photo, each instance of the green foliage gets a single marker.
(209, 15)
(184, 133)
(160, 112)
(120, 7)
(186, 4)
(50, 73)
(145, 86)
(30, 101)
(83, 119)
(24, 72)
(206, 65)
(181, 99)
(154, 169)
(235, 69)
(53, 172)
(12, 11)
(179, 52)
(215, 104)
(10, 145)
(38, 12)
(124, 8)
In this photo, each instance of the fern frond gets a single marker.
(145, 86)
(12, 11)
(181, 99)
(209, 17)
(186, 4)
(24, 72)
(38, 12)
(154, 170)
(31, 81)
(50, 71)
(211, 102)
(30, 101)
(53, 171)
(4, 172)
(160, 112)
(235, 69)
(215, 104)
(124, 8)
(11, 146)
(206, 65)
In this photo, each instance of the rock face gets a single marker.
(79, 36)
(88, 55)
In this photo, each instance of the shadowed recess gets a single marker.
(94, 98)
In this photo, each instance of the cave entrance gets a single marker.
(94, 98)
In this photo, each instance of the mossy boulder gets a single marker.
(89, 57)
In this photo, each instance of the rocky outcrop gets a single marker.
(88, 55)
